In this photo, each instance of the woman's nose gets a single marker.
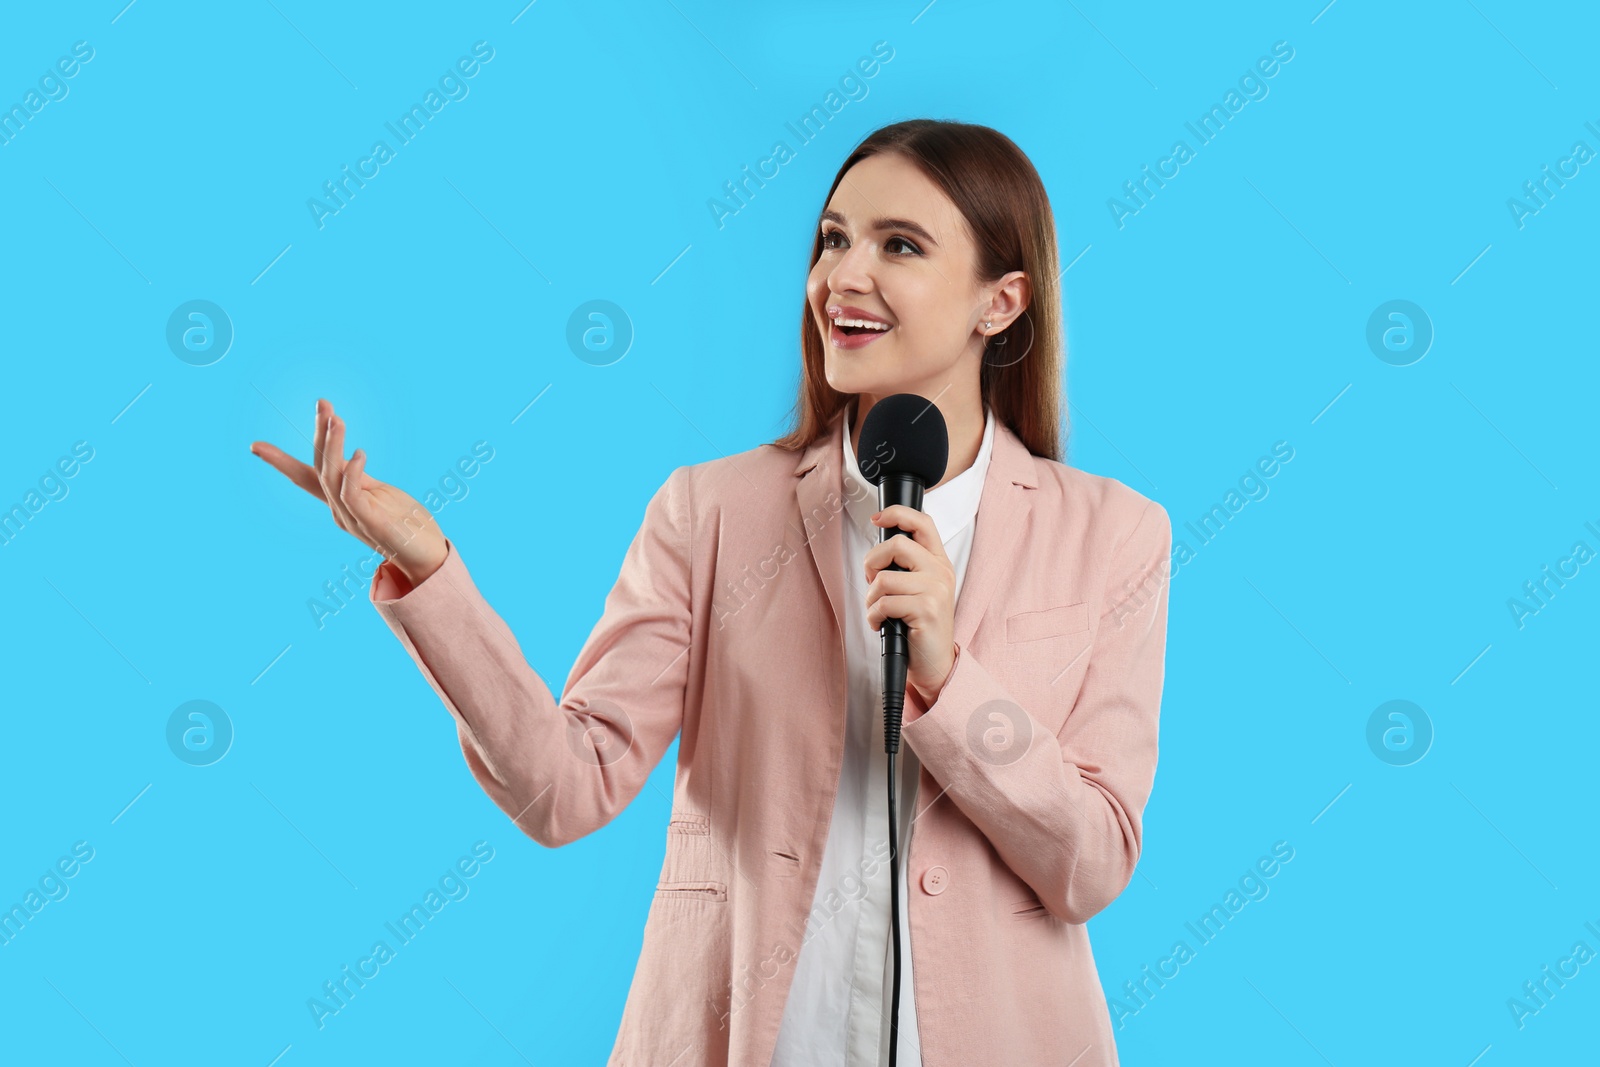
(852, 271)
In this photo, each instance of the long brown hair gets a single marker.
(998, 192)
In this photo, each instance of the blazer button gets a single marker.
(934, 880)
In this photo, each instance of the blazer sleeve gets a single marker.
(1066, 813)
(563, 769)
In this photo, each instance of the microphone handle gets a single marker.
(896, 646)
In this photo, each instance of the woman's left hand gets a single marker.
(923, 595)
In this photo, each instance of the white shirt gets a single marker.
(837, 1014)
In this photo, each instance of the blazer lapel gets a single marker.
(819, 491)
(1003, 511)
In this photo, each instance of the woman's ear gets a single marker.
(1009, 297)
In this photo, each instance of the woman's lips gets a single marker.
(841, 339)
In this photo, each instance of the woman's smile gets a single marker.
(854, 327)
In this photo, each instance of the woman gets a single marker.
(744, 617)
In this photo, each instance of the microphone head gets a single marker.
(904, 434)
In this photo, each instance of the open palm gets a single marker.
(378, 514)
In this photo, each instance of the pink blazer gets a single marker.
(725, 625)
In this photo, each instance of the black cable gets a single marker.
(894, 917)
(896, 661)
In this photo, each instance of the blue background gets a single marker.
(1228, 314)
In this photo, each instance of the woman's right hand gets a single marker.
(378, 514)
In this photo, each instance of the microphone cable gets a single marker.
(896, 662)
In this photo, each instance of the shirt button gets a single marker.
(934, 880)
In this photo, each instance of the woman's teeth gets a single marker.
(857, 325)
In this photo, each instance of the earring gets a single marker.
(987, 323)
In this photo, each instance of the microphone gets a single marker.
(910, 430)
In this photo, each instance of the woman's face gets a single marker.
(897, 250)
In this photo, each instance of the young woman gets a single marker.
(745, 616)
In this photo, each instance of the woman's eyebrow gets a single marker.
(885, 224)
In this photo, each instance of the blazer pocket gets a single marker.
(691, 866)
(706, 890)
(1031, 908)
(689, 822)
(1051, 622)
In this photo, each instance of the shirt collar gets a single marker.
(952, 505)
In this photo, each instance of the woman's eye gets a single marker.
(909, 248)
